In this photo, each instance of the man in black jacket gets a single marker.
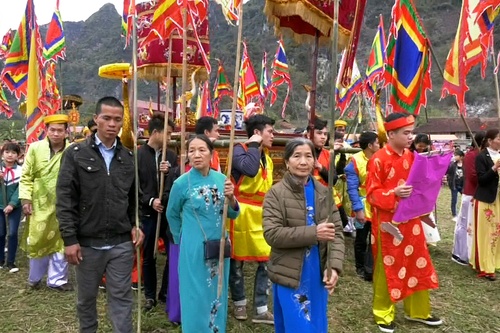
(96, 208)
(150, 171)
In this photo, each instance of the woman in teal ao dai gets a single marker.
(194, 214)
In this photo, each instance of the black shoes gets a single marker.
(149, 305)
(386, 328)
(431, 321)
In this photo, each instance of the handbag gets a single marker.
(211, 247)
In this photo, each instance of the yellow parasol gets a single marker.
(121, 71)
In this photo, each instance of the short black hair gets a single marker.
(257, 122)
(203, 138)
(318, 124)
(422, 138)
(459, 152)
(11, 146)
(367, 138)
(205, 123)
(109, 101)
(479, 138)
(91, 123)
(157, 122)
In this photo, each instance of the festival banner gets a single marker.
(264, 79)
(376, 61)
(4, 104)
(128, 19)
(280, 75)
(54, 47)
(248, 84)
(344, 95)
(6, 44)
(230, 10)
(408, 60)
(222, 88)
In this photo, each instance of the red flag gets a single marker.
(128, 19)
(249, 84)
(280, 75)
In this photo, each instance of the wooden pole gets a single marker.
(231, 149)
(174, 96)
(495, 76)
(331, 170)
(314, 83)
(136, 168)
(161, 176)
(184, 87)
(456, 103)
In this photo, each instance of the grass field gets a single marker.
(465, 303)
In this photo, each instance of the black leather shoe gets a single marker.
(149, 305)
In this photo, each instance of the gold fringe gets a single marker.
(127, 130)
(274, 9)
(157, 72)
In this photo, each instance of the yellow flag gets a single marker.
(35, 129)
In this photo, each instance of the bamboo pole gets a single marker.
(314, 83)
(456, 103)
(331, 169)
(231, 149)
(164, 148)
(495, 77)
(184, 87)
(136, 168)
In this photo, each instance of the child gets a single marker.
(10, 205)
(455, 178)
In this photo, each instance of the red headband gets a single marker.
(399, 123)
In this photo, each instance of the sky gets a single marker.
(71, 10)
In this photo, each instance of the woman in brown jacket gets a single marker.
(295, 215)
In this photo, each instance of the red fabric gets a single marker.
(324, 160)
(470, 175)
(407, 264)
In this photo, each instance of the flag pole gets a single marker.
(184, 88)
(456, 103)
(164, 148)
(314, 82)
(331, 169)
(495, 76)
(229, 162)
(136, 168)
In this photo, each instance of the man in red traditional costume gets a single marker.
(402, 268)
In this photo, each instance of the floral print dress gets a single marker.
(303, 309)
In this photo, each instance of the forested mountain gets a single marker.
(97, 41)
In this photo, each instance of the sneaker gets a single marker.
(12, 268)
(34, 285)
(454, 219)
(386, 328)
(459, 261)
(240, 312)
(2, 265)
(264, 318)
(102, 285)
(149, 305)
(162, 298)
(63, 287)
(360, 271)
(431, 321)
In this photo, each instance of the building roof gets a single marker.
(456, 125)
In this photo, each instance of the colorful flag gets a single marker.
(249, 86)
(50, 101)
(55, 42)
(222, 88)
(35, 128)
(4, 104)
(264, 79)
(376, 61)
(15, 71)
(280, 75)
(344, 95)
(128, 19)
(6, 44)
(408, 61)
(168, 17)
(203, 107)
(230, 10)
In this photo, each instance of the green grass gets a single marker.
(465, 303)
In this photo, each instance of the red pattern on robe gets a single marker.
(407, 263)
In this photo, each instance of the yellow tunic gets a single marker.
(360, 161)
(38, 184)
(246, 232)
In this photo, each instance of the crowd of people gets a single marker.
(79, 201)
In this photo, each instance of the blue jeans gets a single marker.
(14, 219)
(454, 199)
(237, 285)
